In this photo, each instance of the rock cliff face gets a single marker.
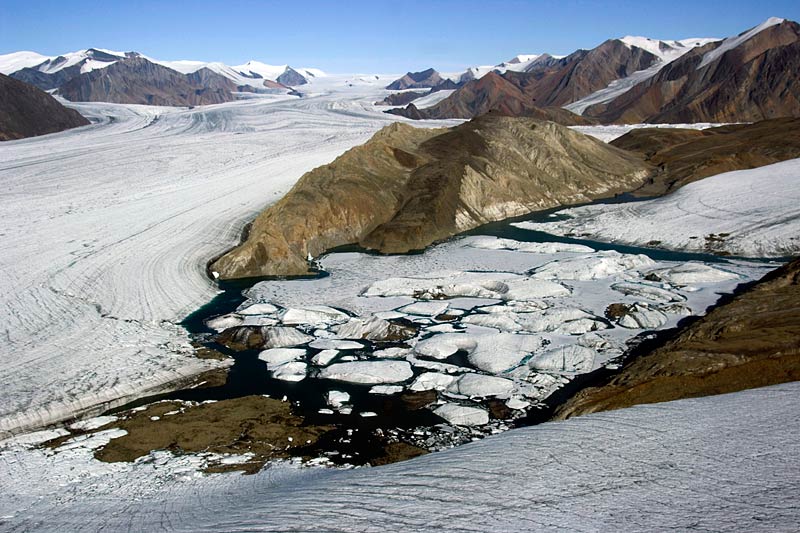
(549, 84)
(683, 156)
(751, 341)
(407, 188)
(137, 81)
(26, 111)
(736, 80)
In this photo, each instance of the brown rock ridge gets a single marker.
(756, 80)
(683, 156)
(26, 111)
(491, 93)
(751, 341)
(407, 188)
(417, 80)
(549, 85)
(401, 98)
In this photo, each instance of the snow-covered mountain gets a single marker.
(252, 73)
(747, 77)
(665, 51)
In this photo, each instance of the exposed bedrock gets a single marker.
(407, 188)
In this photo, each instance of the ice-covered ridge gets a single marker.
(240, 74)
(751, 213)
(19, 60)
(732, 42)
(667, 50)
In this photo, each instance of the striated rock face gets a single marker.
(26, 111)
(137, 81)
(751, 341)
(683, 156)
(425, 79)
(754, 80)
(548, 84)
(407, 188)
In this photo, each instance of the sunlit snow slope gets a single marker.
(106, 229)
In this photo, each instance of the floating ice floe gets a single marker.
(221, 323)
(561, 320)
(649, 292)
(292, 371)
(282, 337)
(570, 358)
(517, 403)
(481, 386)
(496, 243)
(275, 357)
(444, 345)
(324, 357)
(335, 344)
(386, 389)
(642, 316)
(336, 398)
(258, 320)
(432, 381)
(430, 308)
(257, 309)
(391, 353)
(316, 316)
(461, 415)
(457, 284)
(372, 328)
(368, 372)
(599, 265)
(501, 352)
(689, 273)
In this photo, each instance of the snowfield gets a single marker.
(749, 213)
(673, 466)
(106, 229)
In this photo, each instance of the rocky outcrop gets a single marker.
(425, 79)
(741, 80)
(291, 78)
(549, 84)
(136, 80)
(751, 341)
(26, 111)
(683, 156)
(491, 93)
(401, 98)
(407, 188)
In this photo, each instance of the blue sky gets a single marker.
(365, 36)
